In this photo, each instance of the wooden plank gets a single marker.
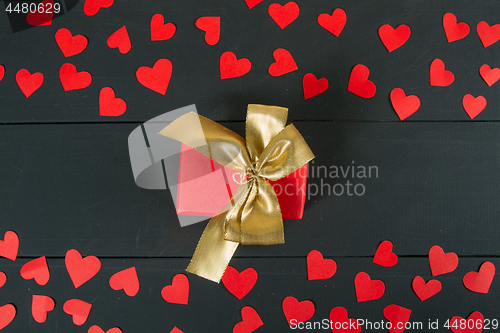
(254, 35)
(69, 186)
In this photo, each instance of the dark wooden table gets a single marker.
(67, 181)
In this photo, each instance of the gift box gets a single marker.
(205, 187)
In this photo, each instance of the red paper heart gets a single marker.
(394, 38)
(283, 15)
(297, 312)
(27, 82)
(425, 290)
(176, 330)
(178, 292)
(109, 105)
(9, 246)
(73, 80)
(251, 321)
(239, 284)
(7, 314)
(453, 30)
(341, 323)
(333, 23)
(2, 72)
(159, 30)
(313, 86)
(81, 269)
(42, 18)
(69, 44)
(36, 269)
(156, 78)
(398, 316)
(480, 282)
(97, 329)
(121, 40)
(126, 280)
(440, 262)
(367, 289)
(252, 3)
(473, 105)
(359, 83)
(3, 279)
(404, 105)
(231, 67)
(475, 317)
(384, 255)
(488, 35)
(489, 75)
(78, 309)
(319, 268)
(439, 76)
(211, 26)
(284, 63)
(91, 7)
(40, 305)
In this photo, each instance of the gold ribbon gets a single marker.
(253, 217)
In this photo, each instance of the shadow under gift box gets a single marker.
(205, 186)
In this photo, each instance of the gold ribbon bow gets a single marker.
(271, 152)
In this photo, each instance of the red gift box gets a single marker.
(205, 187)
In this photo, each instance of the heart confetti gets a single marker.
(176, 330)
(73, 80)
(231, 67)
(239, 284)
(69, 44)
(156, 78)
(439, 76)
(359, 83)
(319, 268)
(489, 75)
(384, 255)
(160, 30)
(81, 269)
(394, 38)
(120, 39)
(453, 30)
(9, 246)
(368, 289)
(97, 329)
(488, 35)
(404, 105)
(297, 312)
(250, 321)
(480, 282)
(7, 315)
(36, 269)
(313, 86)
(3, 279)
(2, 72)
(78, 309)
(473, 105)
(27, 82)
(178, 292)
(40, 306)
(284, 15)
(440, 262)
(340, 322)
(126, 280)
(211, 26)
(284, 63)
(333, 23)
(37, 18)
(476, 318)
(425, 290)
(252, 3)
(398, 316)
(109, 105)
(91, 7)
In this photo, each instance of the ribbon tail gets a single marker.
(213, 252)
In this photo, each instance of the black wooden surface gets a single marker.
(67, 181)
